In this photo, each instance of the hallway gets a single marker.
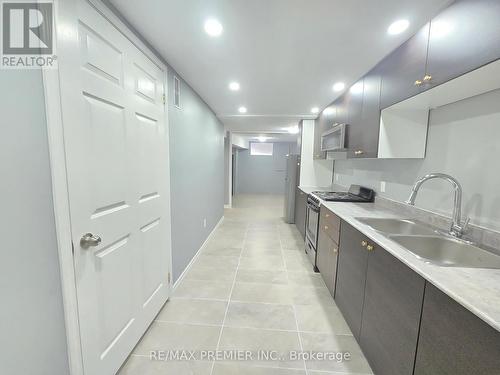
(250, 289)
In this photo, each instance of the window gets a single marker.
(262, 149)
(177, 92)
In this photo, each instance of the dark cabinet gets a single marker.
(326, 260)
(453, 341)
(402, 68)
(354, 102)
(328, 248)
(391, 314)
(351, 276)
(463, 37)
(300, 211)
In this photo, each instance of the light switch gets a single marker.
(382, 186)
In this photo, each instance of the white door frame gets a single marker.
(60, 191)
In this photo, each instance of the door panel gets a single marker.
(351, 276)
(463, 37)
(402, 68)
(391, 314)
(117, 164)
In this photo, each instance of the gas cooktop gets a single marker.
(356, 193)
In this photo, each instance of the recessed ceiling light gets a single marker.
(213, 27)
(339, 86)
(293, 130)
(398, 27)
(234, 86)
(314, 110)
(242, 110)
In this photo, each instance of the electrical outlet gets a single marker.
(204, 223)
(382, 186)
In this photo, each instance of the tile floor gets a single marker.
(251, 288)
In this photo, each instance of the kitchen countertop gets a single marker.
(477, 289)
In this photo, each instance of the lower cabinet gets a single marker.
(351, 276)
(328, 248)
(403, 324)
(391, 314)
(453, 341)
(300, 211)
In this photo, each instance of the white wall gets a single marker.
(263, 174)
(196, 174)
(463, 141)
(33, 335)
(312, 172)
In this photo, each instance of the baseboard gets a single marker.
(178, 281)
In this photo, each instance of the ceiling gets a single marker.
(286, 54)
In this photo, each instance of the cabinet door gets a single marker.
(351, 276)
(300, 211)
(453, 341)
(320, 126)
(327, 259)
(463, 37)
(402, 68)
(391, 314)
(354, 100)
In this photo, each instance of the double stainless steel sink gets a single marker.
(430, 246)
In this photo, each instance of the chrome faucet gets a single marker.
(458, 227)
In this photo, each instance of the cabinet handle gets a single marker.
(369, 247)
(418, 82)
(327, 215)
(364, 243)
(335, 250)
(358, 152)
(427, 78)
(326, 227)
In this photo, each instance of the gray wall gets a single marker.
(263, 174)
(33, 336)
(464, 141)
(196, 173)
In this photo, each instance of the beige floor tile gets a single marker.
(297, 261)
(211, 273)
(356, 363)
(228, 263)
(245, 369)
(252, 249)
(163, 336)
(145, 366)
(260, 315)
(262, 276)
(193, 311)
(221, 251)
(263, 293)
(262, 262)
(204, 289)
(306, 279)
(325, 319)
(311, 296)
(256, 340)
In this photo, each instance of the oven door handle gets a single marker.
(313, 208)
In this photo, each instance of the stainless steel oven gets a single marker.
(312, 226)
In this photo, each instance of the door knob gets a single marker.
(89, 240)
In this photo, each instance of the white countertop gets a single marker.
(476, 289)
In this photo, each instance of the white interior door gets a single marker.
(117, 164)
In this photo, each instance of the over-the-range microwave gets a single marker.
(334, 139)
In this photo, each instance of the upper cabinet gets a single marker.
(404, 69)
(463, 37)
